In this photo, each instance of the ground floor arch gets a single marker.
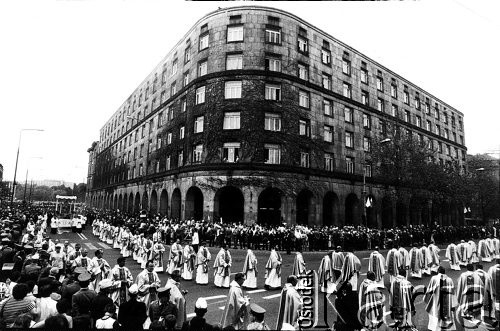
(137, 202)
(229, 204)
(330, 209)
(163, 202)
(194, 204)
(176, 204)
(269, 206)
(352, 214)
(304, 207)
(153, 208)
(370, 210)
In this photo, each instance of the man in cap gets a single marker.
(198, 322)
(101, 300)
(122, 279)
(257, 320)
(159, 309)
(132, 314)
(70, 285)
(82, 301)
(235, 312)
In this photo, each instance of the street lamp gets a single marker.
(17, 159)
(365, 202)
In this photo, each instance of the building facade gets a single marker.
(258, 116)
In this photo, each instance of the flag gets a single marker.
(368, 202)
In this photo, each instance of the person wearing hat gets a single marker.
(198, 322)
(101, 300)
(159, 309)
(132, 314)
(70, 285)
(81, 303)
(122, 279)
(257, 320)
(235, 312)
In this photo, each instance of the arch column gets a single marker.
(251, 198)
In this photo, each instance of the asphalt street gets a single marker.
(269, 300)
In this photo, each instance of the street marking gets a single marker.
(222, 308)
(366, 258)
(90, 246)
(103, 245)
(363, 274)
(256, 291)
(215, 297)
(216, 302)
(191, 315)
(272, 296)
(445, 260)
(84, 236)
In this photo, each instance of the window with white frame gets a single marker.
(203, 42)
(183, 105)
(346, 66)
(364, 73)
(367, 121)
(446, 134)
(305, 127)
(202, 68)
(448, 152)
(327, 107)
(328, 133)
(231, 121)
(173, 89)
(380, 84)
(428, 125)
(326, 81)
(329, 162)
(364, 98)
(200, 95)
(302, 44)
(181, 132)
(349, 139)
(273, 63)
(326, 56)
(427, 107)
(185, 80)
(233, 90)
(346, 90)
(197, 152)
(406, 97)
(273, 92)
(158, 142)
(418, 121)
(438, 130)
(180, 159)
(187, 54)
(272, 122)
(303, 71)
(231, 152)
(303, 99)
(348, 115)
(407, 116)
(167, 163)
(304, 159)
(349, 164)
(198, 124)
(234, 33)
(394, 110)
(160, 119)
(380, 104)
(273, 36)
(367, 168)
(170, 114)
(417, 102)
(367, 144)
(174, 67)
(272, 153)
(234, 61)
(394, 91)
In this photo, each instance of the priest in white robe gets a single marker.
(177, 298)
(157, 256)
(416, 262)
(236, 310)
(100, 270)
(371, 303)
(222, 266)
(148, 283)
(202, 258)
(393, 263)
(122, 279)
(350, 271)
(426, 260)
(452, 256)
(484, 251)
(463, 253)
(250, 270)
(273, 270)
(189, 258)
(494, 273)
(299, 267)
(376, 264)
(435, 260)
(326, 276)
(175, 257)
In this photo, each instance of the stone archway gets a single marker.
(176, 204)
(387, 213)
(269, 206)
(119, 205)
(352, 212)
(137, 202)
(304, 207)
(163, 202)
(153, 208)
(194, 204)
(401, 212)
(130, 208)
(371, 211)
(229, 204)
(330, 209)
(145, 201)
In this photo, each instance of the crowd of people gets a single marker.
(51, 284)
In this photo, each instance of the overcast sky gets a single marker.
(66, 66)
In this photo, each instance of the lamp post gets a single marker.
(17, 159)
(26, 179)
(365, 202)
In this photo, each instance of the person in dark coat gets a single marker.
(82, 300)
(99, 303)
(198, 323)
(132, 314)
